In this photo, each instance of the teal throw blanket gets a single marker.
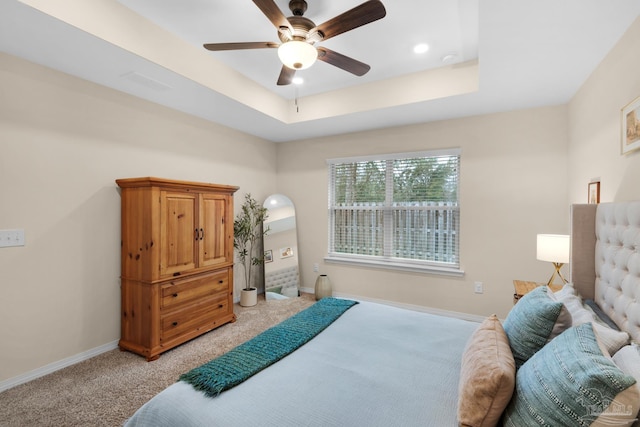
(240, 363)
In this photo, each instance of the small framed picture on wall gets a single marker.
(631, 126)
(594, 192)
(286, 252)
(268, 255)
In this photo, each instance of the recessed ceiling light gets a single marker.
(297, 80)
(421, 48)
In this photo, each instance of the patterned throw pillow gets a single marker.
(535, 320)
(572, 382)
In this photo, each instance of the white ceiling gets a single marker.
(528, 54)
(386, 45)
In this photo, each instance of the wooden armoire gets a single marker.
(177, 262)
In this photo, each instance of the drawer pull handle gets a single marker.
(175, 295)
(177, 273)
(221, 281)
(220, 305)
(201, 234)
(175, 323)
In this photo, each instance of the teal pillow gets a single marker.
(570, 382)
(534, 321)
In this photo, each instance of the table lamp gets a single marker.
(554, 248)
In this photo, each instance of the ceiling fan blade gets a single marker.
(344, 62)
(237, 46)
(286, 76)
(275, 15)
(367, 12)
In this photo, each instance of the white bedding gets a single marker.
(375, 366)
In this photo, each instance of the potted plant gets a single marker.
(247, 231)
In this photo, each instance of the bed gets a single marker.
(356, 372)
(378, 365)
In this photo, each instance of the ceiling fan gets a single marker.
(299, 34)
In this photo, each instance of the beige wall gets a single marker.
(520, 173)
(594, 126)
(513, 175)
(63, 142)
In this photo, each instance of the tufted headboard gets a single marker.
(605, 259)
(282, 279)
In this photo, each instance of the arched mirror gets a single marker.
(281, 272)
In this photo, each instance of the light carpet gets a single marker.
(107, 389)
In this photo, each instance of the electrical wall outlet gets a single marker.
(478, 287)
(316, 267)
(10, 238)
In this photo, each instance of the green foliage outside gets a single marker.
(419, 180)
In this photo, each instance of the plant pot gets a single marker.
(249, 297)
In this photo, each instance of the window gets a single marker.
(399, 211)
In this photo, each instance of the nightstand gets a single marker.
(522, 287)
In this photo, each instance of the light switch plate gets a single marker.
(10, 238)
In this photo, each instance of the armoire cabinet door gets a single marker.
(179, 232)
(213, 248)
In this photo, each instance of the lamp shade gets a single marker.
(297, 54)
(553, 248)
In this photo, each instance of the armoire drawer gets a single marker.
(192, 317)
(185, 291)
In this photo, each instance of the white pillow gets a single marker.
(613, 340)
(567, 289)
(628, 360)
(573, 302)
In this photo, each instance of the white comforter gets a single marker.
(375, 366)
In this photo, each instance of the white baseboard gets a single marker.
(308, 290)
(420, 308)
(236, 299)
(55, 366)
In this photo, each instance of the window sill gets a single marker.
(395, 265)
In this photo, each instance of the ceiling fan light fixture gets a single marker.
(297, 54)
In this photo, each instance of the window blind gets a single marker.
(396, 208)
